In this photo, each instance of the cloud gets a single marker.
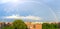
(4, 1)
(23, 17)
(58, 12)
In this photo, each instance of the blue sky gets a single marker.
(48, 10)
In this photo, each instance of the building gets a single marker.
(34, 25)
(30, 25)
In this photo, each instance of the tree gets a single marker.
(49, 26)
(19, 24)
(8, 27)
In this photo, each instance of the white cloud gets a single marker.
(24, 17)
(12, 1)
(4, 1)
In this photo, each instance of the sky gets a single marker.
(30, 10)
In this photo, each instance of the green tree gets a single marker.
(49, 26)
(8, 27)
(19, 24)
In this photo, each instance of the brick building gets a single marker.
(31, 25)
(34, 25)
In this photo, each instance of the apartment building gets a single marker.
(31, 25)
(34, 25)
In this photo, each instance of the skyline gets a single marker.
(43, 10)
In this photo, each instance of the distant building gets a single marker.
(59, 25)
(2, 24)
(34, 25)
(30, 25)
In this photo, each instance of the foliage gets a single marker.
(17, 24)
(8, 27)
(49, 26)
